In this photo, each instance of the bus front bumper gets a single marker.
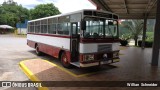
(99, 63)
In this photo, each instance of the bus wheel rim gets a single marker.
(64, 59)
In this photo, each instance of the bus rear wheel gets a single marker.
(37, 51)
(65, 61)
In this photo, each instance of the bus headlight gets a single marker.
(88, 57)
(115, 54)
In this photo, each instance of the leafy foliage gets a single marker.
(44, 10)
(125, 37)
(135, 27)
(150, 25)
(11, 13)
(149, 37)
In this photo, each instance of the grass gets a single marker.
(150, 34)
(21, 35)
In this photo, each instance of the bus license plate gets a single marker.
(106, 62)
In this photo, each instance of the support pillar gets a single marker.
(144, 30)
(156, 43)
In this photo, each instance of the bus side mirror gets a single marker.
(83, 25)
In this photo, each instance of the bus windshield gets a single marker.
(100, 28)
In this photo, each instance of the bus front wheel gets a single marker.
(65, 61)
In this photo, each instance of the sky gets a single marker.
(64, 6)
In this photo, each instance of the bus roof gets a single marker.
(80, 11)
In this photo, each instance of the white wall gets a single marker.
(22, 31)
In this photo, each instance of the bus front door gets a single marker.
(74, 43)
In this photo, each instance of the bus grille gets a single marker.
(100, 56)
(102, 48)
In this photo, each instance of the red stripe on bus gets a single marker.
(51, 35)
(92, 40)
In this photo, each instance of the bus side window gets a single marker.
(44, 26)
(74, 29)
(52, 25)
(65, 29)
(37, 27)
(32, 27)
(69, 28)
(79, 28)
(28, 28)
(52, 28)
(59, 28)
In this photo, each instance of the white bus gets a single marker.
(83, 38)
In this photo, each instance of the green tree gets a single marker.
(44, 10)
(11, 12)
(135, 27)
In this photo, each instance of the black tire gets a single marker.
(64, 60)
(37, 51)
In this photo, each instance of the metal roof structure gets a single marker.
(137, 9)
(6, 27)
(128, 9)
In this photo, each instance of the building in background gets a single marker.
(22, 27)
